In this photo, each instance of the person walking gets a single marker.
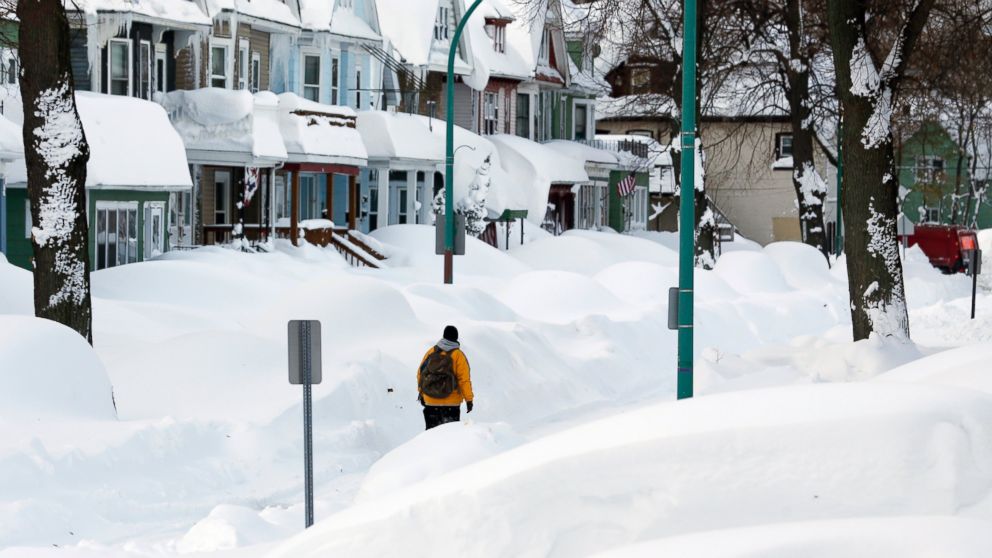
(444, 381)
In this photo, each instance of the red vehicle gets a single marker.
(944, 245)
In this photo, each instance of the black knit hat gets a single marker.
(451, 333)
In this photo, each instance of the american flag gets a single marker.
(626, 186)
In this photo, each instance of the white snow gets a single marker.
(409, 27)
(173, 11)
(798, 442)
(11, 141)
(315, 132)
(532, 169)
(399, 136)
(275, 11)
(224, 120)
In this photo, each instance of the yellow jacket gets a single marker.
(462, 374)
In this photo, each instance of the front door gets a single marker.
(398, 198)
(222, 197)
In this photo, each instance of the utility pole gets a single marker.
(449, 152)
(687, 203)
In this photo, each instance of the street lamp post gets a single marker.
(687, 203)
(449, 151)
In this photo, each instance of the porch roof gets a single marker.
(260, 11)
(533, 168)
(319, 133)
(223, 126)
(183, 12)
(399, 136)
(124, 155)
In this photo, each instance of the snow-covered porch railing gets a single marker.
(358, 249)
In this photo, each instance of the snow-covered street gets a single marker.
(799, 442)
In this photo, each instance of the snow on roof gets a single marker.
(316, 132)
(274, 11)
(399, 136)
(11, 141)
(181, 11)
(586, 80)
(123, 154)
(516, 60)
(315, 15)
(347, 23)
(224, 120)
(409, 27)
(583, 152)
(533, 168)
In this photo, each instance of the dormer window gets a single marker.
(545, 56)
(496, 29)
(441, 23)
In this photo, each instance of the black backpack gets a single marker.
(437, 375)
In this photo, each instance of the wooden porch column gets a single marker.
(330, 196)
(352, 201)
(294, 212)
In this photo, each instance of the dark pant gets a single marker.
(438, 415)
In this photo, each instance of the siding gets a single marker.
(260, 41)
(79, 61)
(464, 107)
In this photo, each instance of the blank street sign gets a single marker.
(304, 336)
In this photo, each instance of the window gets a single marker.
(373, 199)
(931, 214)
(441, 24)
(497, 32)
(358, 88)
(929, 170)
(311, 77)
(145, 70)
(154, 229)
(645, 133)
(119, 61)
(281, 197)
(256, 72)
(523, 115)
(12, 70)
(243, 64)
(335, 77)
(783, 145)
(218, 66)
(640, 80)
(490, 113)
(116, 234)
(545, 55)
(581, 120)
(161, 69)
(222, 196)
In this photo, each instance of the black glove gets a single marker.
(421, 399)
(468, 406)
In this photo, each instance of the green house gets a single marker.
(137, 165)
(931, 169)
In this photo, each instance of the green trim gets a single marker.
(19, 250)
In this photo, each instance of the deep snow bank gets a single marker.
(48, 371)
(724, 461)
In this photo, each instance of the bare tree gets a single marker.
(56, 153)
(870, 60)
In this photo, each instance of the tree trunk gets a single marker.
(811, 188)
(874, 270)
(56, 153)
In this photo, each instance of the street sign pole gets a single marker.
(687, 204)
(449, 152)
(305, 369)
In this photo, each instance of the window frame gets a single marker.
(336, 79)
(244, 63)
(779, 145)
(127, 208)
(576, 106)
(10, 70)
(544, 55)
(145, 81)
(161, 85)
(227, 73)
(304, 85)
(128, 66)
(442, 30)
(524, 117)
(490, 112)
(256, 71)
(358, 87)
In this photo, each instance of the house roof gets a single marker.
(273, 11)
(123, 155)
(227, 126)
(532, 169)
(178, 11)
(515, 62)
(409, 27)
(318, 133)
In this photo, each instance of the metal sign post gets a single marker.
(973, 265)
(305, 369)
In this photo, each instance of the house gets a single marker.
(233, 144)
(934, 171)
(133, 179)
(135, 49)
(598, 203)
(747, 164)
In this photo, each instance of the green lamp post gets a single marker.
(449, 152)
(687, 203)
